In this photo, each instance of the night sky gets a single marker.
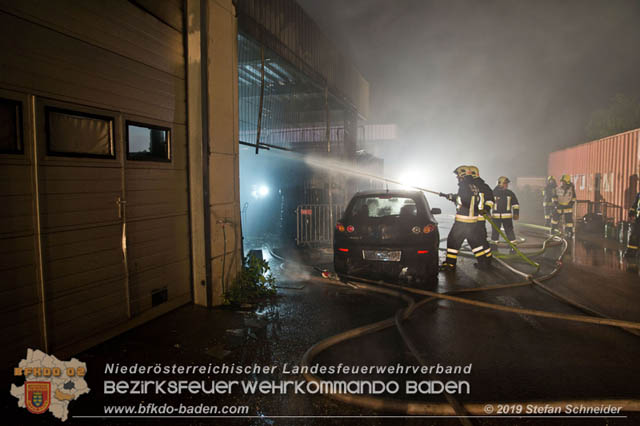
(499, 83)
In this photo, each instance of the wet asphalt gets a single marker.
(513, 357)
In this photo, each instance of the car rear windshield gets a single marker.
(378, 206)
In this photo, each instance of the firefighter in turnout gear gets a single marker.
(549, 200)
(634, 238)
(566, 198)
(505, 210)
(485, 204)
(465, 225)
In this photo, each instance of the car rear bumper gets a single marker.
(413, 261)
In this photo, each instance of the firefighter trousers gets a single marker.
(565, 212)
(507, 224)
(548, 212)
(481, 229)
(461, 231)
(634, 239)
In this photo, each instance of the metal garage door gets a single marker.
(102, 91)
(80, 183)
(20, 308)
(157, 221)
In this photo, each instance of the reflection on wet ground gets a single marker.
(584, 249)
(514, 356)
(598, 252)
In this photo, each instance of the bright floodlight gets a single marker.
(263, 191)
(411, 179)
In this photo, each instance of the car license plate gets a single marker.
(382, 255)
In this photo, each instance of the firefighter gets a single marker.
(505, 210)
(485, 203)
(634, 238)
(566, 198)
(466, 220)
(549, 198)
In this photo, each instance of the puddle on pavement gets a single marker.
(599, 254)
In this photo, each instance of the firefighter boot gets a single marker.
(630, 254)
(489, 259)
(447, 267)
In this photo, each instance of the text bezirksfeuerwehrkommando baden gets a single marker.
(159, 384)
(179, 369)
(357, 387)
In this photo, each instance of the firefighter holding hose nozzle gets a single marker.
(485, 204)
(634, 238)
(466, 221)
(566, 198)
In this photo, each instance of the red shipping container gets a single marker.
(603, 171)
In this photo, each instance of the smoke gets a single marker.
(499, 84)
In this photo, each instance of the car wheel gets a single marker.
(430, 274)
(340, 266)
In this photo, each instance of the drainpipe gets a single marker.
(204, 55)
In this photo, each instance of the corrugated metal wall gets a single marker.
(605, 170)
(284, 27)
(119, 61)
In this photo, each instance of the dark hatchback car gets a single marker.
(389, 235)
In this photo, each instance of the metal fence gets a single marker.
(315, 223)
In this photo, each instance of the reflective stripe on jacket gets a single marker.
(566, 194)
(466, 200)
(506, 203)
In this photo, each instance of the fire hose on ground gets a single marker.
(452, 406)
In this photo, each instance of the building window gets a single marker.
(10, 127)
(148, 143)
(78, 134)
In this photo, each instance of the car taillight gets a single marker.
(350, 229)
(429, 228)
(345, 250)
(339, 227)
(423, 251)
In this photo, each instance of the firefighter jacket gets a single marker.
(467, 200)
(549, 194)
(505, 203)
(634, 211)
(566, 195)
(485, 197)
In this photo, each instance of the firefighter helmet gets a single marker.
(566, 179)
(473, 171)
(551, 179)
(461, 171)
(502, 180)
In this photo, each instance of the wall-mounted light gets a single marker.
(259, 191)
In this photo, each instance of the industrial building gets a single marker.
(120, 152)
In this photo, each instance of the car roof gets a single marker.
(397, 192)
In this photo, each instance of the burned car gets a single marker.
(387, 235)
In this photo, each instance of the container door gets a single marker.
(597, 190)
